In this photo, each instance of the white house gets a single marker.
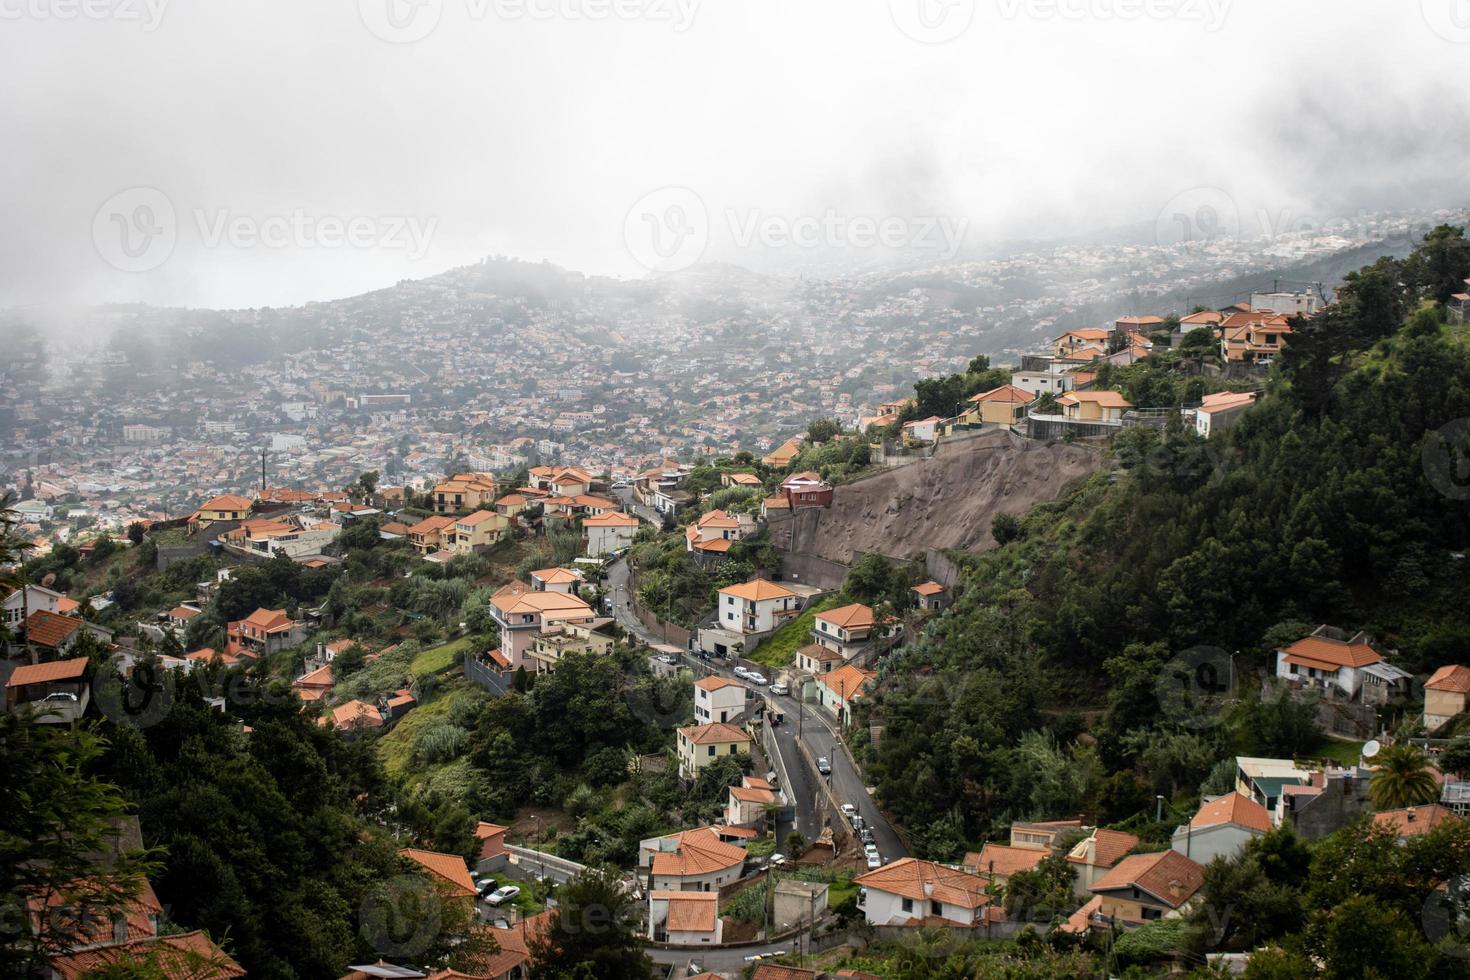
(606, 533)
(717, 699)
(700, 860)
(684, 918)
(1222, 828)
(756, 606)
(1219, 411)
(20, 604)
(746, 804)
(922, 430)
(838, 689)
(911, 891)
(1351, 666)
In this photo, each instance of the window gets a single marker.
(711, 750)
(908, 905)
(936, 908)
(1151, 914)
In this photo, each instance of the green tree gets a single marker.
(1403, 778)
(593, 933)
(823, 430)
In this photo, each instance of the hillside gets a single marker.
(945, 502)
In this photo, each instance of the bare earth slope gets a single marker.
(948, 501)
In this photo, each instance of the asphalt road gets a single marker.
(806, 724)
(731, 960)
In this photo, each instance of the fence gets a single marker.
(541, 863)
(495, 681)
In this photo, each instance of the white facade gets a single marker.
(882, 908)
(1203, 844)
(1041, 382)
(753, 616)
(721, 704)
(1289, 304)
(1346, 679)
(604, 540)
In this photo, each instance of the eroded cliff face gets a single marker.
(948, 501)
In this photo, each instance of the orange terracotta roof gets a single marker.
(757, 590)
(478, 517)
(718, 546)
(50, 629)
(356, 713)
(56, 670)
(715, 682)
(1324, 650)
(696, 852)
(847, 681)
(717, 733)
(431, 524)
(854, 616)
(1081, 920)
(1003, 860)
(270, 620)
(1006, 394)
(1415, 820)
(191, 955)
(1233, 808)
(1107, 399)
(1168, 876)
(747, 794)
(819, 653)
(447, 867)
(690, 911)
(610, 519)
(1452, 678)
(485, 830)
(1108, 847)
(556, 576)
(929, 588)
(923, 881)
(228, 501)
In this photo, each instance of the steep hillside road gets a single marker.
(948, 501)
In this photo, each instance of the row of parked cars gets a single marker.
(865, 834)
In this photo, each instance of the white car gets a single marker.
(759, 680)
(502, 895)
(776, 860)
(780, 689)
(741, 672)
(874, 861)
(849, 811)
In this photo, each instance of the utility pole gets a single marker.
(262, 470)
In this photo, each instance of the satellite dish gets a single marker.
(1370, 748)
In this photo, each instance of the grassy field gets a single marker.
(1343, 753)
(780, 649)
(436, 659)
(395, 749)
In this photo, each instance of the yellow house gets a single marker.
(700, 745)
(228, 507)
(432, 534)
(511, 504)
(1005, 405)
(1445, 695)
(1094, 406)
(464, 491)
(477, 532)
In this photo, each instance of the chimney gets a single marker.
(1176, 888)
(1409, 814)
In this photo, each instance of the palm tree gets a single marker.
(1403, 778)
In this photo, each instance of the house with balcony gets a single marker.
(700, 745)
(911, 892)
(757, 606)
(20, 603)
(1331, 660)
(846, 629)
(53, 632)
(718, 699)
(1072, 343)
(431, 535)
(1098, 407)
(563, 481)
(816, 659)
(1268, 781)
(608, 533)
(1446, 694)
(563, 639)
(715, 531)
(262, 633)
(1255, 338)
(523, 614)
(465, 491)
(478, 532)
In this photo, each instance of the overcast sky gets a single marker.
(207, 153)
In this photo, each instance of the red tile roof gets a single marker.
(924, 881)
(1452, 678)
(50, 629)
(1003, 860)
(1325, 653)
(449, 868)
(1168, 876)
(56, 670)
(1233, 808)
(191, 955)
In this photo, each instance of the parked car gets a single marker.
(875, 861)
(849, 811)
(780, 689)
(759, 680)
(668, 658)
(868, 836)
(742, 672)
(59, 697)
(858, 823)
(502, 895)
(824, 766)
